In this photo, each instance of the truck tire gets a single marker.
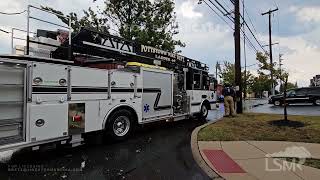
(204, 111)
(120, 125)
(316, 102)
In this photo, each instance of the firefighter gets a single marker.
(229, 95)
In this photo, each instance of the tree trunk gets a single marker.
(285, 99)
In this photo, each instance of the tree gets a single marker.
(150, 23)
(260, 84)
(285, 113)
(266, 68)
(289, 86)
(90, 20)
(227, 74)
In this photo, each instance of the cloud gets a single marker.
(301, 55)
(306, 14)
(187, 9)
(206, 41)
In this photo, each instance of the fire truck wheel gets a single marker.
(204, 112)
(120, 125)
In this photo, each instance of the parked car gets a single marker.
(299, 95)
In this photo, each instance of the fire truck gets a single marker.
(95, 82)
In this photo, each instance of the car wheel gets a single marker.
(277, 103)
(204, 112)
(120, 125)
(317, 102)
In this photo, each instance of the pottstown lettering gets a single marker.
(160, 54)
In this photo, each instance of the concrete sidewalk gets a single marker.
(257, 159)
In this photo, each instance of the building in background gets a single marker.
(315, 81)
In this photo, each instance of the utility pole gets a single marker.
(244, 53)
(237, 56)
(217, 65)
(270, 45)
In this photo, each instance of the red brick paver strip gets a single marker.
(222, 162)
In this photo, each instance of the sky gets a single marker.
(296, 26)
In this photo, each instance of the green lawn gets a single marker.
(315, 163)
(257, 127)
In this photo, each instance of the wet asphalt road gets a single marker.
(157, 151)
(297, 109)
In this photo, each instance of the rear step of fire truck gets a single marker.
(12, 103)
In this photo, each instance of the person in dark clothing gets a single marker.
(228, 94)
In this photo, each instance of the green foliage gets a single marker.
(255, 84)
(265, 68)
(145, 22)
(228, 71)
(260, 83)
(289, 86)
(90, 20)
(149, 23)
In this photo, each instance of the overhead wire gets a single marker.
(221, 17)
(227, 13)
(4, 31)
(218, 14)
(224, 13)
(248, 40)
(254, 36)
(251, 22)
(225, 3)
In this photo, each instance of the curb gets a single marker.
(196, 153)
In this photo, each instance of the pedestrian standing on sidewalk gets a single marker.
(229, 95)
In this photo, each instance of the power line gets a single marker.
(227, 12)
(15, 13)
(224, 13)
(4, 31)
(225, 3)
(218, 14)
(248, 40)
(251, 44)
(249, 65)
(245, 9)
(253, 34)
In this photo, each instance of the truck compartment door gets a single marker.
(48, 121)
(12, 102)
(157, 94)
